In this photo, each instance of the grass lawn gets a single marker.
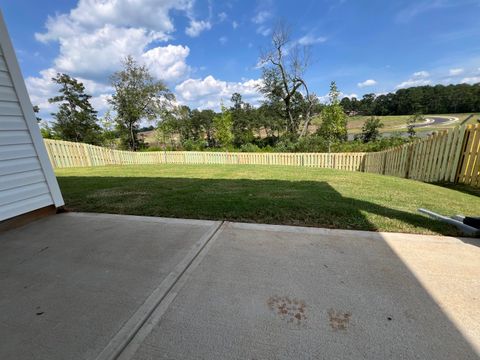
(266, 194)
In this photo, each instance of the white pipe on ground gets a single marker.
(467, 230)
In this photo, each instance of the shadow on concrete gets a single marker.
(304, 203)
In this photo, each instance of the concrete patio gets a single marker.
(97, 286)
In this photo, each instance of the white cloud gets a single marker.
(261, 17)
(264, 30)
(100, 103)
(196, 27)
(471, 80)
(325, 99)
(223, 40)
(100, 51)
(350, 96)
(234, 24)
(96, 35)
(421, 74)
(419, 7)
(419, 78)
(209, 92)
(167, 63)
(310, 39)
(42, 88)
(369, 82)
(222, 16)
(92, 14)
(413, 82)
(455, 72)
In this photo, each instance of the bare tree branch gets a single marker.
(284, 66)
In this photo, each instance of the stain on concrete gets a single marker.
(339, 320)
(289, 310)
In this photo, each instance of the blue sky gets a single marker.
(206, 50)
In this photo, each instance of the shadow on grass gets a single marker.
(303, 203)
(467, 189)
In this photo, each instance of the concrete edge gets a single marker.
(152, 219)
(281, 228)
(341, 232)
(131, 348)
(129, 329)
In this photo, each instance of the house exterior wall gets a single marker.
(27, 181)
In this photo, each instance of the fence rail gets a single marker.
(449, 156)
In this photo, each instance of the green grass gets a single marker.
(266, 194)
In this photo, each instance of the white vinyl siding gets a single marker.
(25, 180)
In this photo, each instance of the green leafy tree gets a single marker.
(137, 96)
(334, 120)
(223, 123)
(243, 121)
(371, 129)
(36, 110)
(437, 99)
(46, 131)
(202, 125)
(411, 124)
(109, 134)
(269, 119)
(75, 120)
(173, 126)
(367, 104)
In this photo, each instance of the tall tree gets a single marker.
(334, 120)
(223, 127)
(415, 118)
(75, 120)
(371, 129)
(438, 99)
(36, 110)
(243, 120)
(137, 96)
(202, 121)
(283, 69)
(109, 135)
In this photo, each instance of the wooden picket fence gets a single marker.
(449, 156)
(65, 154)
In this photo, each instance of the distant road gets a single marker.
(429, 121)
(436, 120)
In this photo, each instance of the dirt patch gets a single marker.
(289, 310)
(339, 320)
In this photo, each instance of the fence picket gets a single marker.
(447, 156)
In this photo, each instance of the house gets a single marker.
(27, 180)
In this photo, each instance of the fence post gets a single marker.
(409, 160)
(87, 154)
(384, 162)
(459, 154)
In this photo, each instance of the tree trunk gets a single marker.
(305, 127)
(132, 138)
